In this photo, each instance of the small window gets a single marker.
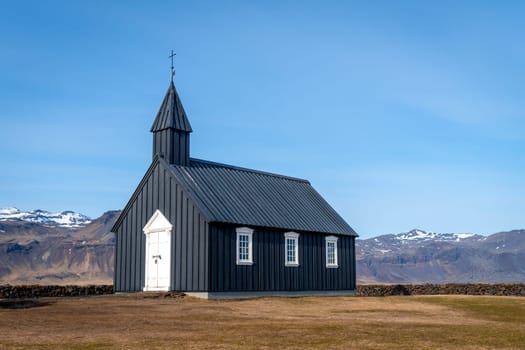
(244, 246)
(331, 252)
(291, 246)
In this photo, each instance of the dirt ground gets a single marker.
(138, 322)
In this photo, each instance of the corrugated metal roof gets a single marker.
(248, 197)
(171, 113)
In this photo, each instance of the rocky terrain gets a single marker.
(59, 248)
(424, 257)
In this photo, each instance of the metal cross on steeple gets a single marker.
(172, 70)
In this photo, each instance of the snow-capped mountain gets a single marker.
(414, 239)
(422, 236)
(66, 219)
(36, 252)
(427, 257)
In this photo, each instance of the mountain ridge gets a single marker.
(421, 257)
(38, 251)
(35, 252)
(68, 218)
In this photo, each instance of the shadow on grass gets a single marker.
(23, 304)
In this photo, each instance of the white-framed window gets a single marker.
(331, 252)
(291, 246)
(244, 246)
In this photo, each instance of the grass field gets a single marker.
(134, 322)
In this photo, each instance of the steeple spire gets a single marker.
(171, 113)
(172, 70)
(171, 128)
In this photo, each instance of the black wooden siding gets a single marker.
(174, 145)
(189, 270)
(268, 272)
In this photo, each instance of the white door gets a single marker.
(158, 253)
(158, 266)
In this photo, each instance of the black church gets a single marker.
(219, 231)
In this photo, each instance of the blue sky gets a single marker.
(402, 114)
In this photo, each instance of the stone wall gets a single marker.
(366, 290)
(36, 291)
(370, 290)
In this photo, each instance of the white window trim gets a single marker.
(293, 236)
(332, 239)
(249, 232)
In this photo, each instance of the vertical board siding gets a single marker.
(173, 144)
(116, 262)
(127, 260)
(189, 271)
(184, 245)
(268, 272)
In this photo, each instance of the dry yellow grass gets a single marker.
(133, 322)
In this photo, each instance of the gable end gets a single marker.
(135, 194)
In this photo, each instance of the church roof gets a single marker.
(230, 194)
(171, 113)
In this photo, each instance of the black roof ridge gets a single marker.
(235, 167)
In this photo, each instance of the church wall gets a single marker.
(173, 144)
(189, 243)
(268, 272)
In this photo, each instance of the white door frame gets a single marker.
(157, 224)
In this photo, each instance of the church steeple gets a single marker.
(171, 113)
(171, 129)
